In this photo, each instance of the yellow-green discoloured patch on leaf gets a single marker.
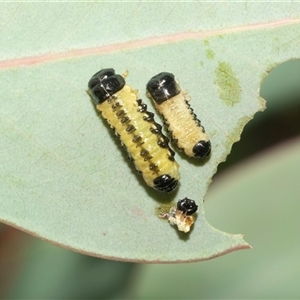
(163, 208)
(210, 54)
(206, 42)
(228, 84)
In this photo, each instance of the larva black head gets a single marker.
(165, 183)
(162, 87)
(105, 83)
(100, 76)
(187, 206)
(202, 149)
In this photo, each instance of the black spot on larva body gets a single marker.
(172, 154)
(149, 116)
(154, 168)
(163, 142)
(156, 129)
(163, 87)
(136, 139)
(165, 183)
(202, 149)
(116, 106)
(171, 158)
(142, 106)
(145, 154)
(104, 84)
(187, 206)
(125, 120)
(120, 113)
(130, 128)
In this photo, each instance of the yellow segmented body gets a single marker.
(139, 134)
(182, 123)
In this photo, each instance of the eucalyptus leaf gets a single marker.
(64, 176)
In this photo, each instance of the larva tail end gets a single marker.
(202, 149)
(165, 183)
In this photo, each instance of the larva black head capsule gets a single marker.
(104, 84)
(187, 206)
(202, 149)
(163, 87)
(165, 183)
(100, 76)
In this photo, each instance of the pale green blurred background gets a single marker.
(255, 192)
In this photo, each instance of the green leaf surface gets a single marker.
(64, 177)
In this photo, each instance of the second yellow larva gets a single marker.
(185, 129)
(136, 128)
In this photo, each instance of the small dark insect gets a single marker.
(182, 215)
(185, 129)
(187, 206)
(136, 128)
